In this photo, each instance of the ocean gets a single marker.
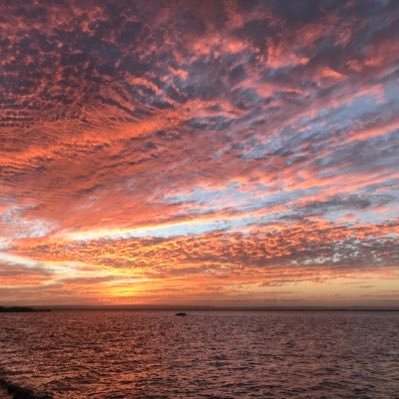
(208, 354)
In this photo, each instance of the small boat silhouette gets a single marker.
(181, 314)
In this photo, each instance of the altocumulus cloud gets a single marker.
(216, 149)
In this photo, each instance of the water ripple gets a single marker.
(110, 354)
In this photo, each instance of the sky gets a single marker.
(221, 153)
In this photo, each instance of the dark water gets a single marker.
(205, 355)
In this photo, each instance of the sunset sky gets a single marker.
(199, 152)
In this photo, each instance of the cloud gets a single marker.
(229, 143)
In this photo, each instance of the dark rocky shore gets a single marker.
(17, 392)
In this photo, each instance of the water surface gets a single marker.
(153, 354)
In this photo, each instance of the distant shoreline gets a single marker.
(21, 309)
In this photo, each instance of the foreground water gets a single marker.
(121, 354)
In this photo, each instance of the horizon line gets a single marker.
(173, 307)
